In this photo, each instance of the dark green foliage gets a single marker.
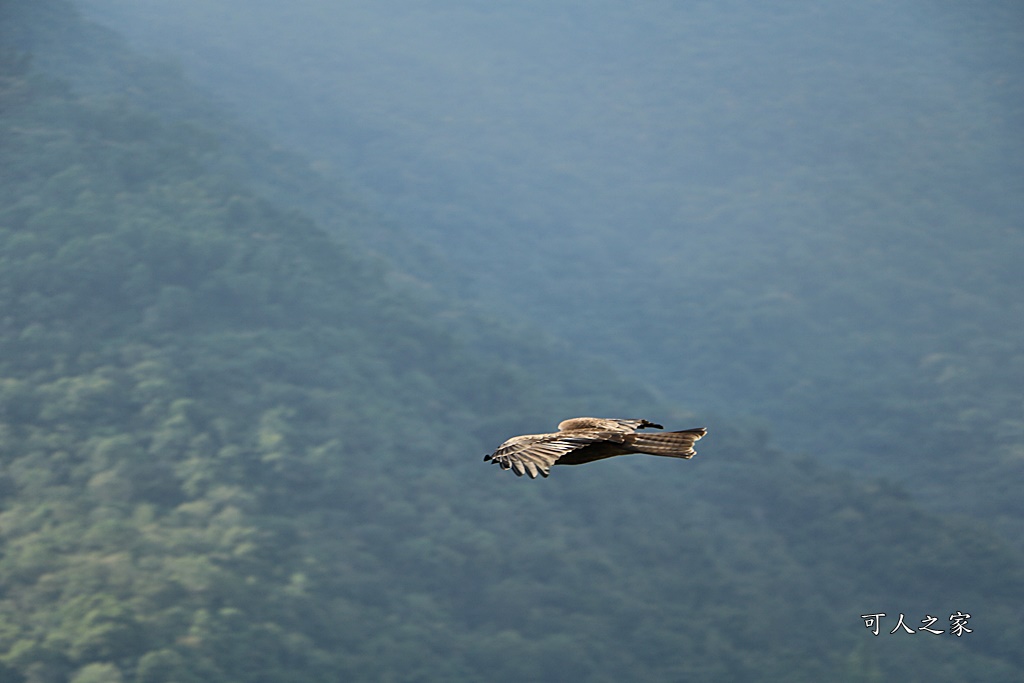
(232, 450)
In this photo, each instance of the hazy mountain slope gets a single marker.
(193, 383)
(815, 211)
(231, 451)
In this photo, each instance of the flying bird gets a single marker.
(586, 439)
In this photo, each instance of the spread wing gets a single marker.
(534, 454)
(613, 424)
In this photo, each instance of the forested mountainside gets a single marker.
(231, 450)
(814, 210)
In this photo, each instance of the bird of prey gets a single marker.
(586, 439)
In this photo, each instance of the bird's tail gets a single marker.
(669, 444)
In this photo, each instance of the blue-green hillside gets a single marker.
(236, 446)
(812, 213)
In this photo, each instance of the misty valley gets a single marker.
(273, 281)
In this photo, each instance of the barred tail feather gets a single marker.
(669, 444)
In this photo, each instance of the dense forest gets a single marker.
(238, 445)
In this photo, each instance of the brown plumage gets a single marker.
(586, 439)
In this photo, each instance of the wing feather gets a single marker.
(614, 424)
(534, 454)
